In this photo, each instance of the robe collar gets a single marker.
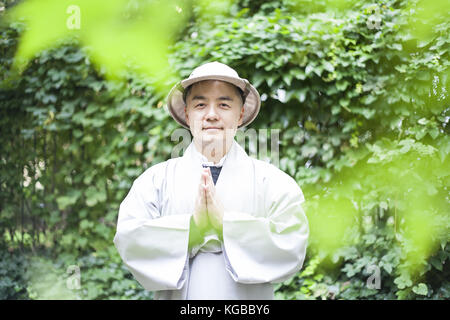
(204, 160)
(235, 156)
(233, 161)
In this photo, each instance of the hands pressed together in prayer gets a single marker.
(208, 208)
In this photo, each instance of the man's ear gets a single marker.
(186, 115)
(241, 116)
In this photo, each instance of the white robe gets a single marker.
(265, 230)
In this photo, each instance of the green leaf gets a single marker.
(73, 57)
(68, 200)
(344, 102)
(287, 78)
(396, 46)
(97, 122)
(335, 109)
(242, 12)
(421, 289)
(271, 80)
(434, 133)
(328, 66)
(309, 151)
(406, 144)
(86, 224)
(370, 238)
(403, 281)
(300, 95)
(342, 85)
(368, 99)
(423, 121)
(92, 108)
(309, 69)
(298, 74)
(94, 196)
(388, 267)
(401, 68)
(421, 133)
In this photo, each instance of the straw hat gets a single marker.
(214, 71)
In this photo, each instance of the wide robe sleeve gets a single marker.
(153, 247)
(267, 247)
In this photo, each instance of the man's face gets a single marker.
(214, 111)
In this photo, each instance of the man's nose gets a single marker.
(211, 112)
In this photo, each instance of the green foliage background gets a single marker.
(363, 114)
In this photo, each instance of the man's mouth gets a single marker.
(212, 128)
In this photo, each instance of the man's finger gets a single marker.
(209, 196)
(209, 179)
(208, 182)
(207, 172)
(201, 190)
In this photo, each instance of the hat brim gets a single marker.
(176, 105)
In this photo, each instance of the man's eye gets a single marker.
(224, 105)
(200, 105)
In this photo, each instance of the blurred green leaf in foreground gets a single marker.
(118, 35)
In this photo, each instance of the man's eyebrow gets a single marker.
(225, 98)
(198, 98)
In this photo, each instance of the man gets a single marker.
(214, 223)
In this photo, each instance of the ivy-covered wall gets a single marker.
(358, 94)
